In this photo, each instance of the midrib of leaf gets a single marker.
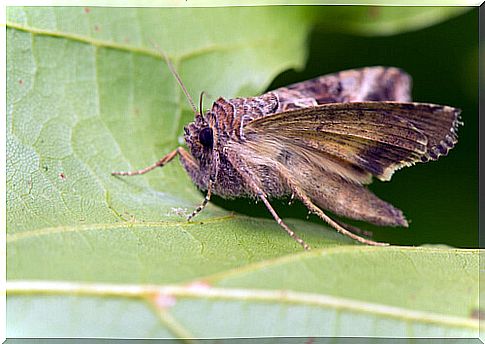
(200, 288)
(151, 292)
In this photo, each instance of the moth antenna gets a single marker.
(179, 80)
(177, 77)
(200, 101)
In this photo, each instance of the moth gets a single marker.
(320, 141)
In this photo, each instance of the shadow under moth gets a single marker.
(320, 140)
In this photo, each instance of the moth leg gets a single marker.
(316, 210)
(288, 230)
(204, 202)
(251, 181)
(188, 162)
(166, 159)
(355, 230)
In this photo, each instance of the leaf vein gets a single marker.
(108, 226)
(235, 294)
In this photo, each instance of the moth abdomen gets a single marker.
(353, 201)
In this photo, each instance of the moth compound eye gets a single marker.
(206, 138)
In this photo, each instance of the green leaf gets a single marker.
(88, 93)
(344, 291)
(384, 20)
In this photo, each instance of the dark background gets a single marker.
(440, 199)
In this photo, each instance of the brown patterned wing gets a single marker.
(356, 85)
(373, 137)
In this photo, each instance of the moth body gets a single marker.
(319, 140)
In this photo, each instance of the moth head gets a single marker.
(199, 137)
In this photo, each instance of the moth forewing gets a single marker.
(377, 137)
